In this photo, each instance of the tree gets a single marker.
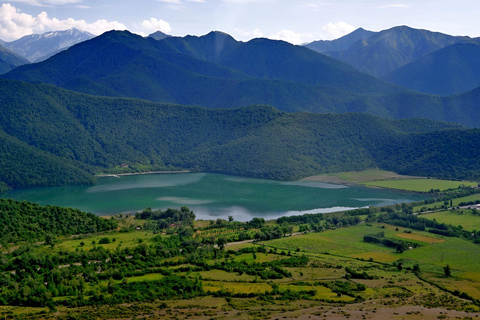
(221, 242)
(447, 271)
(230, 218)
(49, 240)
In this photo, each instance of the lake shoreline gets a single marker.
(138, 173)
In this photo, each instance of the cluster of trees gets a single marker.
(418, 223)
(164, 218)
(400, 245)
(26, 221)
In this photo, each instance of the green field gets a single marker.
(467, 220)
(455, 202)
(346, 242)
(420, 185)
(357, 176)
(122, 239)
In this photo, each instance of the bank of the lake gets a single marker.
(211, 195)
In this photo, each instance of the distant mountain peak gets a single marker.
(342, 43)
(158, 35)
(38, 47)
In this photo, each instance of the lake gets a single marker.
(211, 196)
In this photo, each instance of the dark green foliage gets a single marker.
(51, 136)
(400, 245)
(25, 221)
(170, 216)
(447, 271)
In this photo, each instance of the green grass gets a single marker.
(459, 254)
(455, 202)
(419, 185)
(344, 241)
(122, 239)
(467, 220)
(368, 175)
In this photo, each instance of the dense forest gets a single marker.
(26, 221)
(50, 136)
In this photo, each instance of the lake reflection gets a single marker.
(211, 196)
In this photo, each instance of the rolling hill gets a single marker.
(50, 136)
(452, 70)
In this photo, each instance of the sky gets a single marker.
(295, 21)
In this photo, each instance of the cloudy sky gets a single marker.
(296, 21)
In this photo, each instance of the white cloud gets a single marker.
(337, 30)
(15, 24)
(170, 1)
(291, 36)
(153, 25)
(47, 3)
(392, 6)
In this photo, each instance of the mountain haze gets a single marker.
(38, 47)
(9, 60)
(342, 43)
(451, 70)
(391, 49)
(158, 35)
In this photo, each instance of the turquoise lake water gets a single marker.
(211, 196)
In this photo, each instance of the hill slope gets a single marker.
(451, 70)
(9, 60)
(391, 49)
(62, 137)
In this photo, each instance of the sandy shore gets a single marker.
(138, 173)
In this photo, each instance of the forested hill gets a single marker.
(26, 221)
(50, 136)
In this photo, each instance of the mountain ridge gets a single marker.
(39, 47)
(63, 137)
(451, 70)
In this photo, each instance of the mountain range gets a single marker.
(216, 71)
(421, 60)
(53, 136)
(39, 47)
(388, 50)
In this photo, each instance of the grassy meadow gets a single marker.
(419, 185)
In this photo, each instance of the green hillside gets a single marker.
(9, 60)
(52, 136)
